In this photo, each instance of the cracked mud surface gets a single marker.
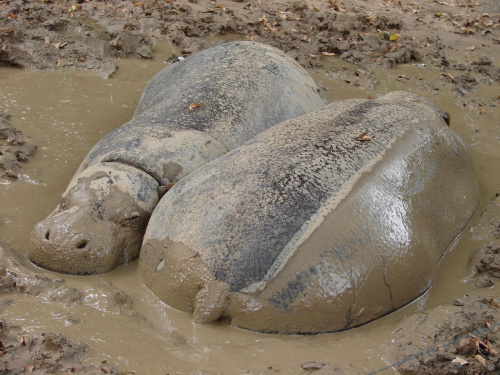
(458, 41)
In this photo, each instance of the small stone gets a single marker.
(144, 52)
(483, 282)
(313, 365)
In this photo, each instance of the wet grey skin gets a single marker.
(305, 229)
(191, 113)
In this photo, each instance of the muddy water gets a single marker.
(66, 113)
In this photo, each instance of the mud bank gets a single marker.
(447, 51)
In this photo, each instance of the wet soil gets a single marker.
(448, 51)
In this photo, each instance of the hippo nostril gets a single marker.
(82, 244)
(47, 235)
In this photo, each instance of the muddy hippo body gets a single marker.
(192, 112)
(305, 229)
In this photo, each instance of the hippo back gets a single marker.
(310, 229)
(222, 96)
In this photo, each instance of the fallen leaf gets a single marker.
(82, 59)
(194, 106)
(468, 30)
(13, 16)
(139, 5)
(468, 346)
(480, 359)
(444, 74)
(371, 17)
(263, 19)
(29, 368)
(313, 56)
(60, 63)
(494, 303)
(394, 37)
(221, 7)
(305, 39)
(105, 370)
(460, 361)
(362, 137)
(47, 40)
(335, 5)
(490, 348)
(328, 53)
(473, 48)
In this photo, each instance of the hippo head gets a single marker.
(99, 222)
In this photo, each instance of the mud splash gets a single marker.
(119, 319)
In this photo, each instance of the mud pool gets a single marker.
(66, 113)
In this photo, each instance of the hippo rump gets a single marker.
(307, 228)
(192, 112)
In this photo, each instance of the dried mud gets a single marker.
(448, 50)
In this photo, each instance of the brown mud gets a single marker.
(446, 50)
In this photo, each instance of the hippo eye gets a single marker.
(133, 216)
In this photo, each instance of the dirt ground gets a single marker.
(460, 38)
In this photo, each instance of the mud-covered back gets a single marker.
(228, 93)
(249, 214)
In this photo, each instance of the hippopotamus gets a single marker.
(192, 112)
(318, 224)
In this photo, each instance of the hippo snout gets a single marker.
(70, 242)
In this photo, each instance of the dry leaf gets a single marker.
(336, 6)
(460, 361)
(13, 16)
(480, 359)
(494, 303)
(363, 137)
(468, 30)
(194, 106)
(82, 59)
(313, 56)
(394, 37)
(29, 369)
(263, 19)
(47, 40)
(371, 17)
(60, 63)
(305, 39)
(488, 322)
(444, 74)
(468, 346)
(490, 348)
(221, 7)
(328, 53)
(105, 370)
